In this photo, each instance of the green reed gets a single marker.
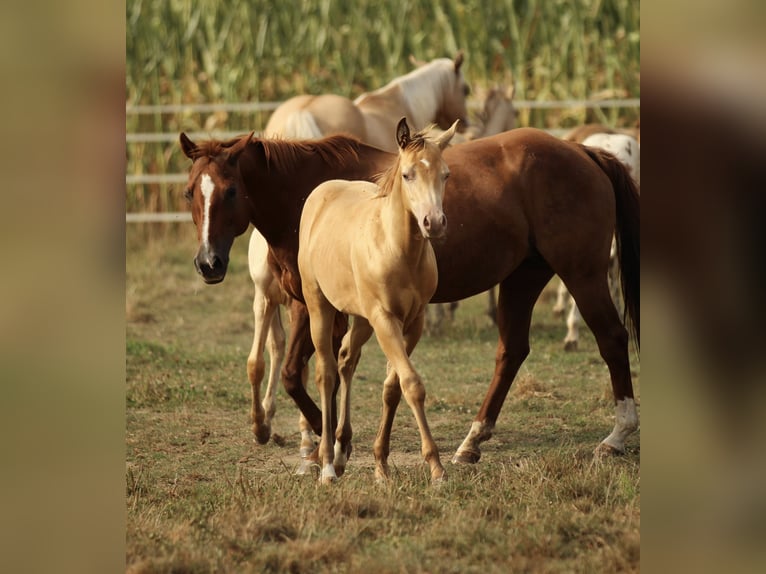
(184, 51)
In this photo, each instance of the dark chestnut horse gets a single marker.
(521, 205)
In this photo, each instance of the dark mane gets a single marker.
(287, 155)
(385, 181)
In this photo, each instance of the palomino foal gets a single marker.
(365, 250)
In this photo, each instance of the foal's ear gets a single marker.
(188, 146)
(234, 151)
(458, 61)
(443, 140)
(402, 133)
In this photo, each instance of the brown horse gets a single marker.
(522, 206)
(365, 250)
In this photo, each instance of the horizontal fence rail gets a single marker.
(179, 178)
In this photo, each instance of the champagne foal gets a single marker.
(365, 250)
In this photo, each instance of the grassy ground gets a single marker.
(201, 496)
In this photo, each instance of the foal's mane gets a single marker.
(386, 180)
(286, 155)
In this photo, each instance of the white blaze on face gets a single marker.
(207, 186)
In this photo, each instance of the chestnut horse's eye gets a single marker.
(230, 192)
(189, 194)
(408, 175)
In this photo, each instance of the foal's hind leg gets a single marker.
(348, 358)
(517, 295)
(598, 311)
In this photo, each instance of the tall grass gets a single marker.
(184, 51)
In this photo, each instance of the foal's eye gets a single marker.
(230, 192)
(445, 176)
(189, 194)
(408, 175)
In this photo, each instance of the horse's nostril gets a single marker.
(426, 222)
(444, 220)
(216, 263)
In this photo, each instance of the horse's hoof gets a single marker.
(570, 345)
(305, 467)
(466, 457)
(262, 434)
(604, 450)
(438, 477)
(328, 475)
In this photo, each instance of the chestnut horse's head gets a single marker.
(218, 201)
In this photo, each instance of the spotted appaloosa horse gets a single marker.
(522, 206)
(626, 149)
(365, 250)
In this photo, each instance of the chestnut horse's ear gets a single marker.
(458, 61)
(188, 146)
(402, 133)
(234, 151)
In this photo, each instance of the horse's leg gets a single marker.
(517, 295)
(275, 341)
(299, 350)
(348, 359)
(561, 300)
(573, 331)
(307, 434)
(598, 311)
(388, 330)
(263, 311)
(492, 304)
(322, 319)
(392, 395)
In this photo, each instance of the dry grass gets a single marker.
(201, 496)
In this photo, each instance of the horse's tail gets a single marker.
(301, 125)
(627, 234)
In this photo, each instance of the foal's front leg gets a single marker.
(388, 330)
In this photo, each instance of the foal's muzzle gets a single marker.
(435, 226)
(211, 267)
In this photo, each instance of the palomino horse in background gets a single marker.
(626, 149)
(365, 250)
(522, 205)
(434, 93)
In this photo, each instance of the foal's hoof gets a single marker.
(466, 457)
(604, 450)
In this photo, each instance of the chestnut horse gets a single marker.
(522, 206)
(365, 250)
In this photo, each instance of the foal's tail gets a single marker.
(627, 233)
